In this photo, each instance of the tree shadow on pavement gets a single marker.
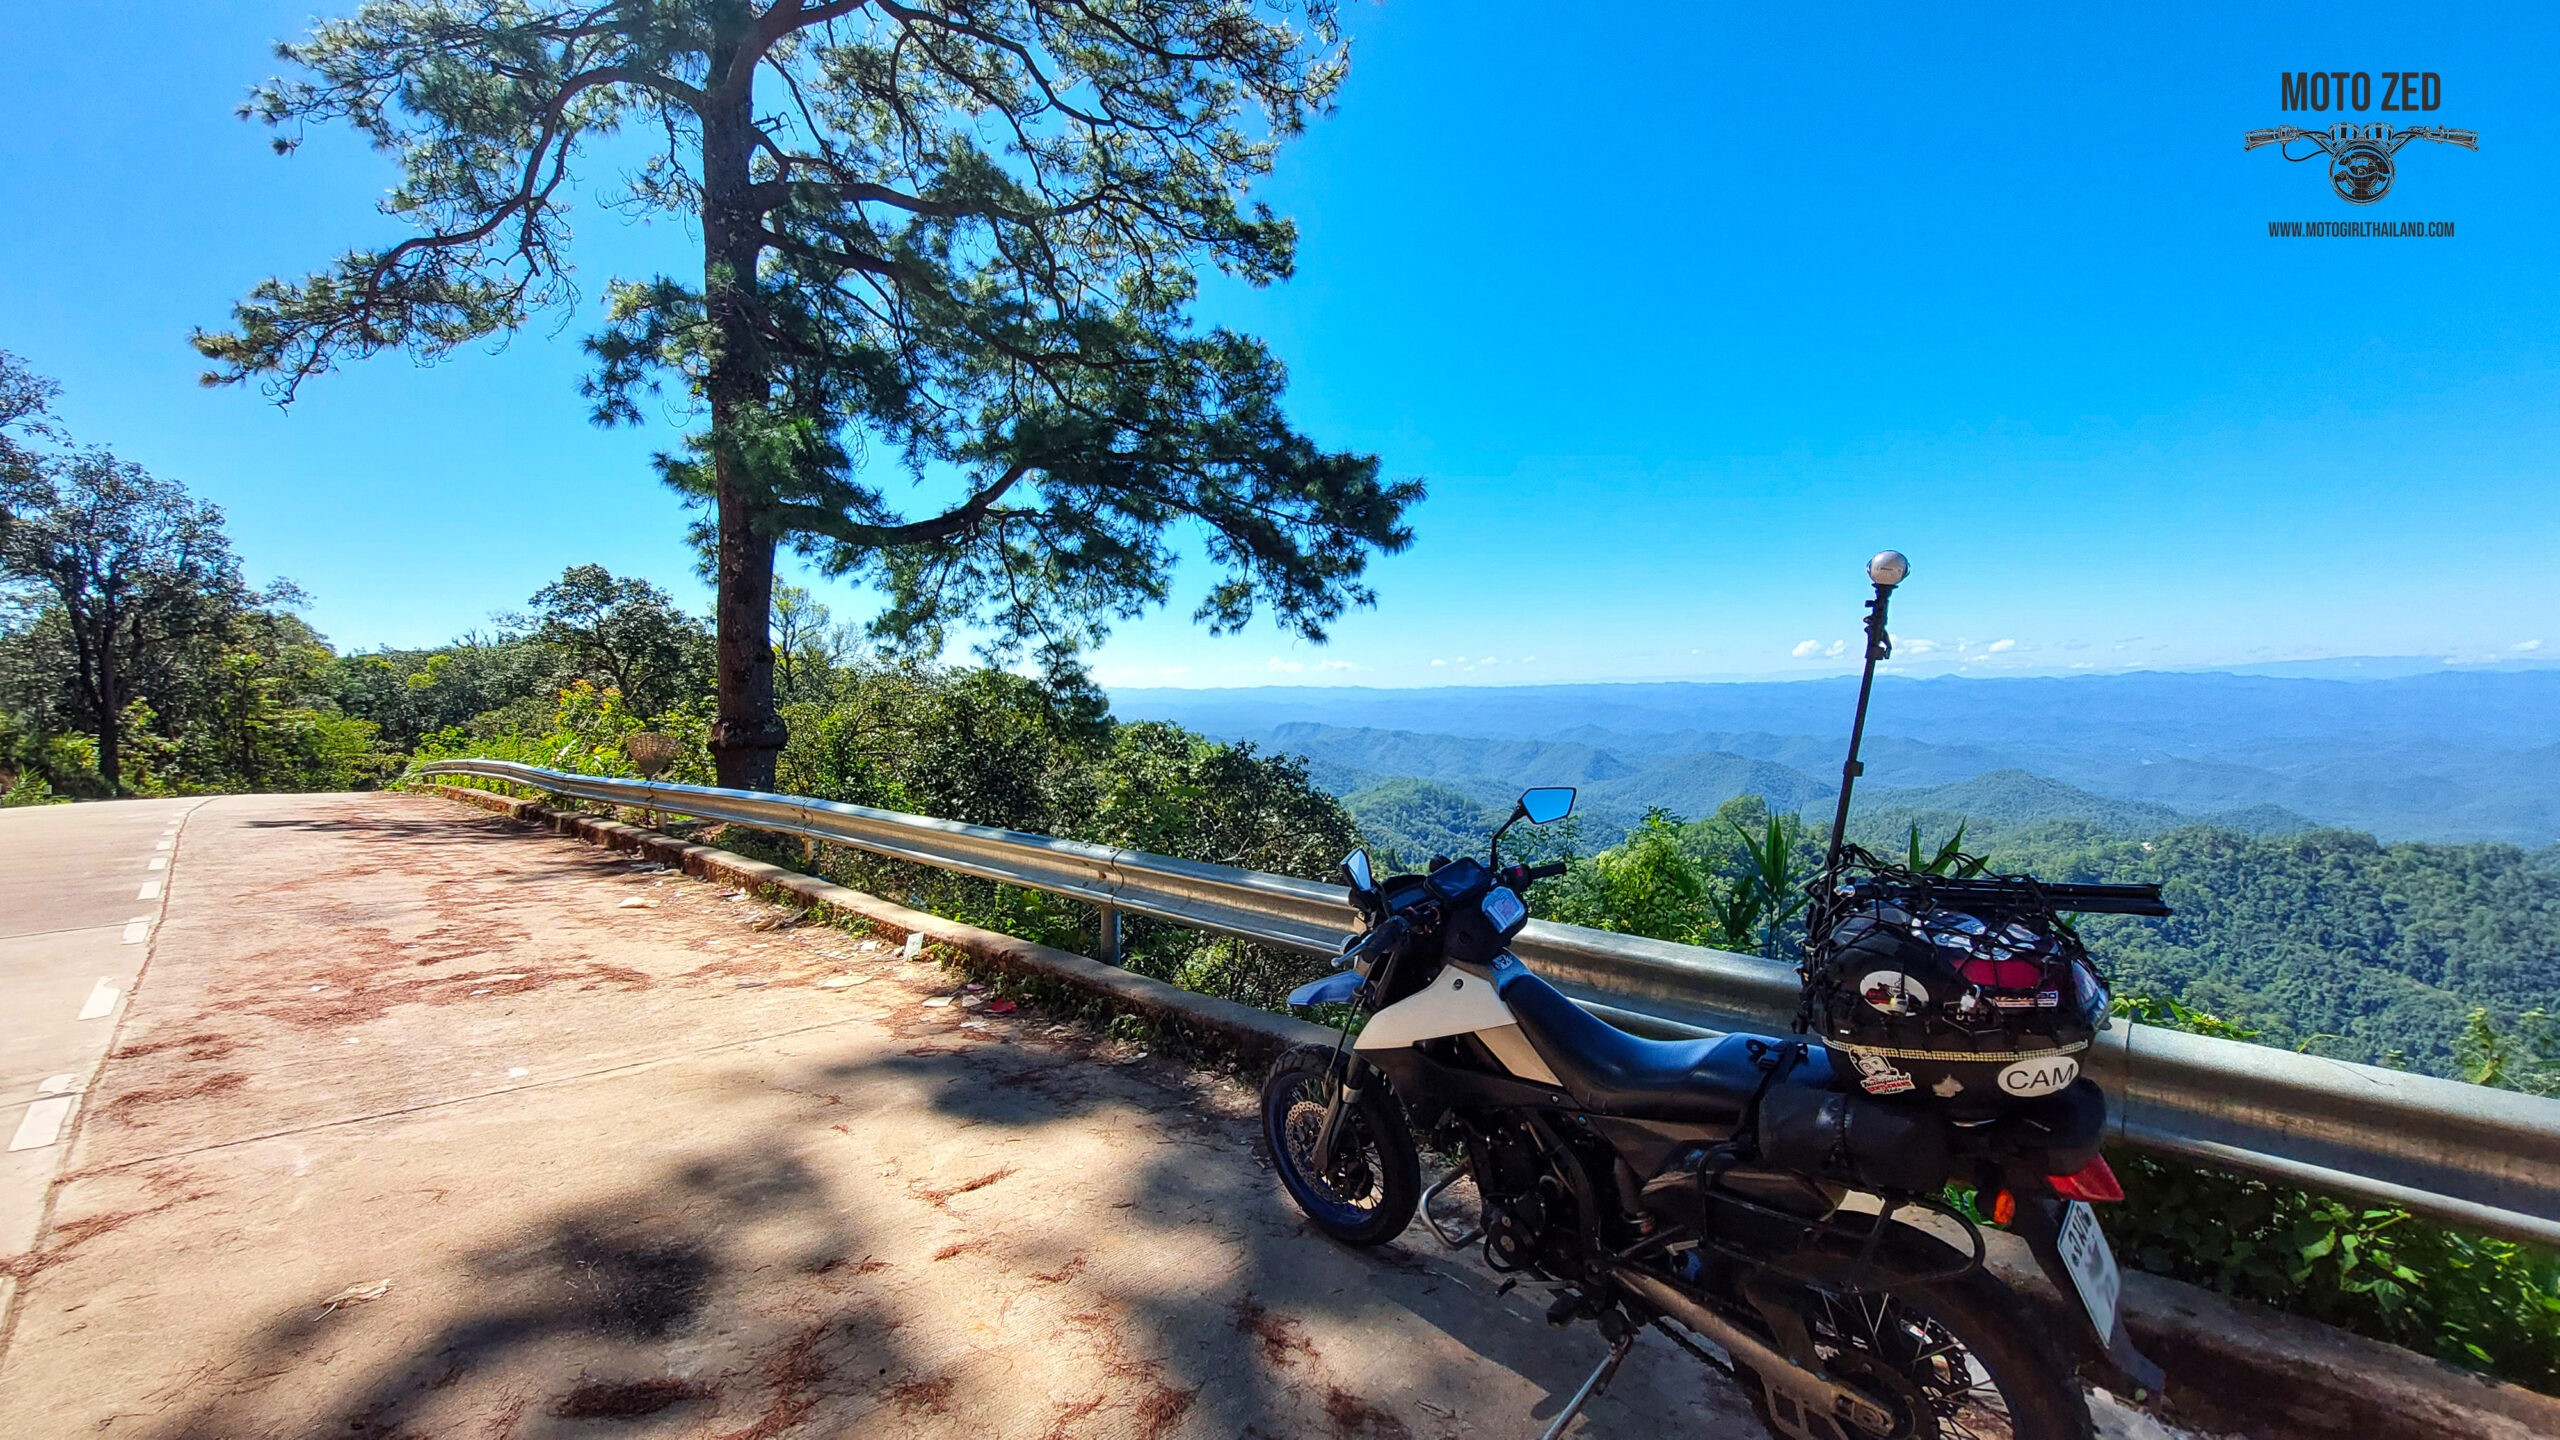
(576, 1321)
(1118, 1262)
(1251, 1310)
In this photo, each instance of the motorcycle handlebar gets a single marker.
(1522, 874)
(1390, 933)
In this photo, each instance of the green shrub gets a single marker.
(2491, 1305)
(30, 789)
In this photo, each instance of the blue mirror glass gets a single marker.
(1542, 806)
(1355, 868)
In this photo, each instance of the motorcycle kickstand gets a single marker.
(1592, 1387)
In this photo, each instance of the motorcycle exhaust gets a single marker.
(1821, 1406)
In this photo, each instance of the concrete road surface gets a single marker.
(420, 1125)
(80, 890)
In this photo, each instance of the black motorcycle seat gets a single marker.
(1614, 1073)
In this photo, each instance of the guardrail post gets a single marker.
(1107, 944)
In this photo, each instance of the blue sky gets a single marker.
(1681, 310)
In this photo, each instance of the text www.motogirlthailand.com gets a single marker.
(2360, 229)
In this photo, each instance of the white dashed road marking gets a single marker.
(150, 890)
(137, 930)
(42, 1124)
(159, 862)
(102, 1001)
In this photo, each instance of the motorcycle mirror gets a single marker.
(1888, 569)
(1550, 804)
(1355, 869)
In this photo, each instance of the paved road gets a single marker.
(420, 1125)
(80, 890)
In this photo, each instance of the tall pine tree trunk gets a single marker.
(748, 734)
(110, 720)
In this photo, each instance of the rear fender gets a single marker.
(2038, 1221)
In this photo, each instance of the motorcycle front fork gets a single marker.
(1346, 1094)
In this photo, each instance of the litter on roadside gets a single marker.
(636, 903)
(356, 1295)
(1001, 1007)
(915, 945)
(936, 1002)
(840, 982)
(972, 1002)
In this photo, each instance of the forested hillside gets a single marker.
(2327, 939)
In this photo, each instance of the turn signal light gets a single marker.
(2004, 1208)
(2093, 1182)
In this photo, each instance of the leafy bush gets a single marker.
(30, 789)
(1648, 884)
(1735, 880)
(2491, 1305)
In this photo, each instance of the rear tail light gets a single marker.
(2093, 1181)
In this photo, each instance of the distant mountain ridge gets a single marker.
(2441, 756)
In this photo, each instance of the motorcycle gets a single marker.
(1773, 1205)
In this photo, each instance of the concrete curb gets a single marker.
(1253, 1037)
(2234, 1366)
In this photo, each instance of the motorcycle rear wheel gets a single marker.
(1368, 1195)
(1963, 1359)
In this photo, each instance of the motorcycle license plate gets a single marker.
(2091, 1265)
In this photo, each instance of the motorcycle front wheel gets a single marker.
(1367, 1195)
(1960, 1360)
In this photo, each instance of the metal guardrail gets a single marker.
(2487, 1160)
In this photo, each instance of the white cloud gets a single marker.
(2528, 644)
(1437, 663)
(1528, 659)
(1287, 667)
(1838, 649)
(1807, 649)
(1914, 647)
(2003, 646)
(1337, 665)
